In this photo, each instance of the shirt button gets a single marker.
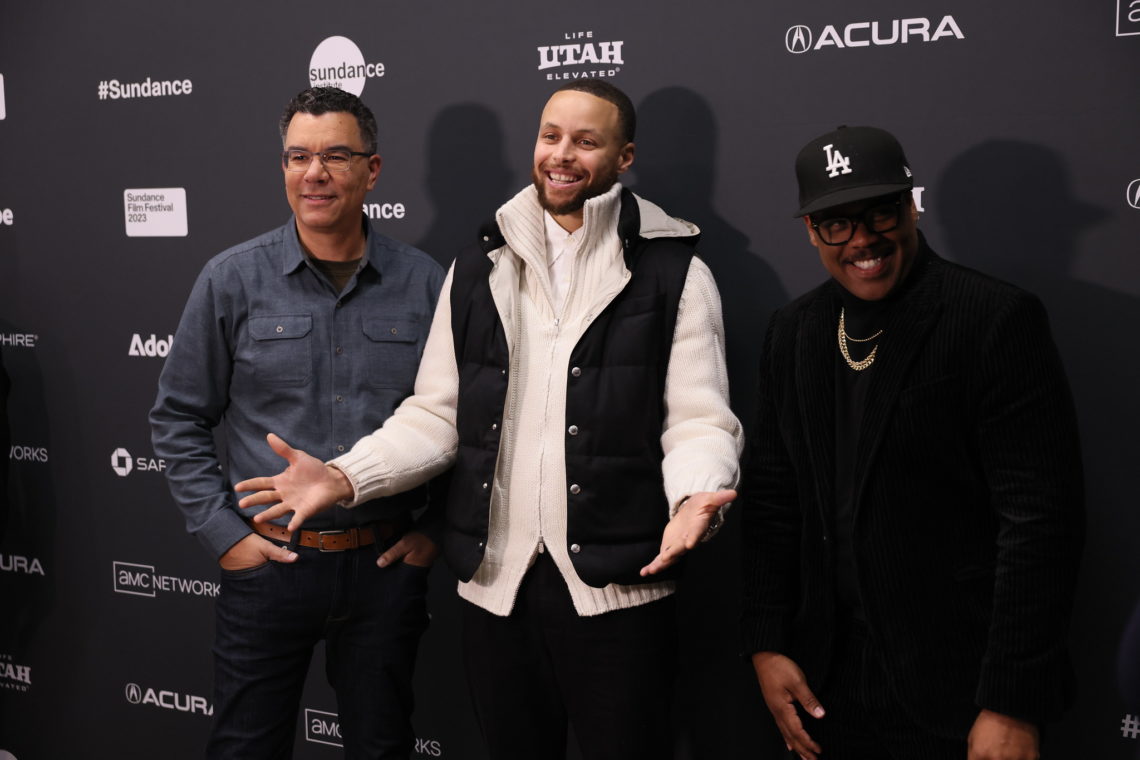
(280, 329)
(574, 489)
(572, 430)
(340, 448)
(576, 372)
(340, 398)
(393, 331)
(575, 548)
(339, 350)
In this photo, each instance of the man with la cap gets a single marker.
(913, 500)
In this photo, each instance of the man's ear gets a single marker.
(812, 237)
(625, 157)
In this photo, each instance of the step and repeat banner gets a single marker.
(140, 138)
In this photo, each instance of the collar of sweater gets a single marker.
(523, 227)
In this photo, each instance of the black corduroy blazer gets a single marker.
(969, 510)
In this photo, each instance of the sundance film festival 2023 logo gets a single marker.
(800, 38)
(323, 727)
(338, 62)
(155, 212)
(142, 580)
(581, 56)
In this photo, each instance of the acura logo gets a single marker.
(1133, 194)
(134, 693)
(798, 39)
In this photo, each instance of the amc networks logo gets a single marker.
(1127, 18)
(324, 728)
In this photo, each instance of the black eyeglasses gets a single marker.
(838, 230)
(333, 160)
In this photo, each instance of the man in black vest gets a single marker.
(574, 375)
(913, 502)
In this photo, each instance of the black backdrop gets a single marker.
(1019, 120)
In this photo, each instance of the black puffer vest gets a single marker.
(615, 409)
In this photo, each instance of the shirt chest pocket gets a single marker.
(282, 348)
(393, 345)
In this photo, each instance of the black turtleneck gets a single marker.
(862, 319)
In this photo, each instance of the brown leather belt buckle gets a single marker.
(353, 539)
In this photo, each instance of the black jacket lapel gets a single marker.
(904, 337)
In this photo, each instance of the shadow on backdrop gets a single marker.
(1007, 208)
(675, 167)
(467, 178)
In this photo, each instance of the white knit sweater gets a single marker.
(702, 439)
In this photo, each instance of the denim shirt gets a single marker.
(265, 345)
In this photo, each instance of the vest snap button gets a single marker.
(573, 430)
(575, 489)
(575, 548)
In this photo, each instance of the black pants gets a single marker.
(270, 618)
(544, 667)
(864, 720)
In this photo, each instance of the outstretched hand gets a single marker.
(306, 487)
(687, 527)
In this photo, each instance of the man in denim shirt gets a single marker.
(315, 330)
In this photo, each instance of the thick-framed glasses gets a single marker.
(838, 230)
(332, 160)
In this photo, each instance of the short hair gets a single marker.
(319, 100)
(599, 88)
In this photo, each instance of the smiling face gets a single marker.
(578, 155)
(871, 265)
(324, 202)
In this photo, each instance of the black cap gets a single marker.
(850, 164)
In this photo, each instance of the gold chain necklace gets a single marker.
(844, 337)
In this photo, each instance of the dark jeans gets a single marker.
(610, 676)
(864, 720)
(270, 617)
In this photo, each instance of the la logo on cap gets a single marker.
(837, 163)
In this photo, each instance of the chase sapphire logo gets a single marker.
(798, 39)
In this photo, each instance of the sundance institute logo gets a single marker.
(338, 62)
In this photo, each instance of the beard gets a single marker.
(597, 185)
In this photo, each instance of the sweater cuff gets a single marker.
(366, 470)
